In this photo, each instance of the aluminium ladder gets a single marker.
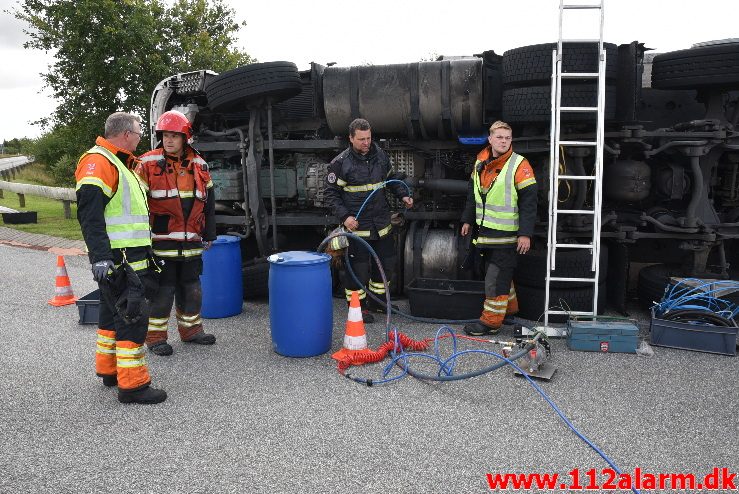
(558, 145)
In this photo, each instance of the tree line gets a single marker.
(110, 54)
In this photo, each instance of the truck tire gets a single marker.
(255, 278)
(275, 80)
(716, 66)
(653, 280)
(534, 104)
(532, 268)
(532, 65)
(531, 301)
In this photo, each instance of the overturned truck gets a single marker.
(671, 157)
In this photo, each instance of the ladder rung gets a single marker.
(574, 246)
(575, 211)
(584, 40)
(576, 6)
(578, 109)
(581, 280)
(571, 312)
(578, 143)
(576, 177)
(579, 75)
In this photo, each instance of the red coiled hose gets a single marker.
(368, 356)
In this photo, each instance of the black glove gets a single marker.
(101, 269)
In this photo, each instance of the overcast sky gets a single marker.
(385, 31)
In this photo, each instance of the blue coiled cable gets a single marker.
(698, 295)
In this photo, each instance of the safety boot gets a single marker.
(367, 316)
(161, 348)
(379, 308)
(110, 381)
(202, 339)
(143, 396)
(477, 328)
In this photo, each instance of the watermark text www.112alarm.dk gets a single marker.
(719, 479)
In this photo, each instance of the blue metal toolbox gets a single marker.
(602, 335)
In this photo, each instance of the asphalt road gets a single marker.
(241, 418)
(8, 163)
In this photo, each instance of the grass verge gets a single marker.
(51, 219)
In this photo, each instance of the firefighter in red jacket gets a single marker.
(182, 218)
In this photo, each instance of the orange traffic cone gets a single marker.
(355, 338)
(63, 292)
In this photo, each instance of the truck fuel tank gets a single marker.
(422, 100)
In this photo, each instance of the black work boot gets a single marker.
(143, 396)
(161, 348)
(367, 316)
(378, 307)
(110, 381)
(477, 328)
(202, 339)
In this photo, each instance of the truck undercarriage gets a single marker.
(671, 160)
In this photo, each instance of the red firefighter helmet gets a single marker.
(174, 121)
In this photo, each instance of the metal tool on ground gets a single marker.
(63, 294)
(534, 363)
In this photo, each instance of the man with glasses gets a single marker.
(112, 211)
(501, 204)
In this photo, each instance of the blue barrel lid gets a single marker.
(472, 140)
(298, 258)
(226, 239)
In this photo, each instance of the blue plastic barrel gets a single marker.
(300, 304)
(223, 293)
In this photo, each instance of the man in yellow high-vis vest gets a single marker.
(501, 202)
(113, 214)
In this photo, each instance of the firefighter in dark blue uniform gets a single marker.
(353, 175)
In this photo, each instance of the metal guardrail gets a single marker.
(14, 163)
(8, 169)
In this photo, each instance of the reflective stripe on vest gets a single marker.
(499, 211)
(495, 240)
(179, 236)
(186, 194)
(362, 188)
(127, 214)
(367, 233)
(161, 194)
(178, 252)
(137, 265)
(94, 181)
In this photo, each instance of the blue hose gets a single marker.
(446, 367)
(372, 295)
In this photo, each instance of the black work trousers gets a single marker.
(179, 281)
(108, 318)
(499, 262)
(364, 265)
